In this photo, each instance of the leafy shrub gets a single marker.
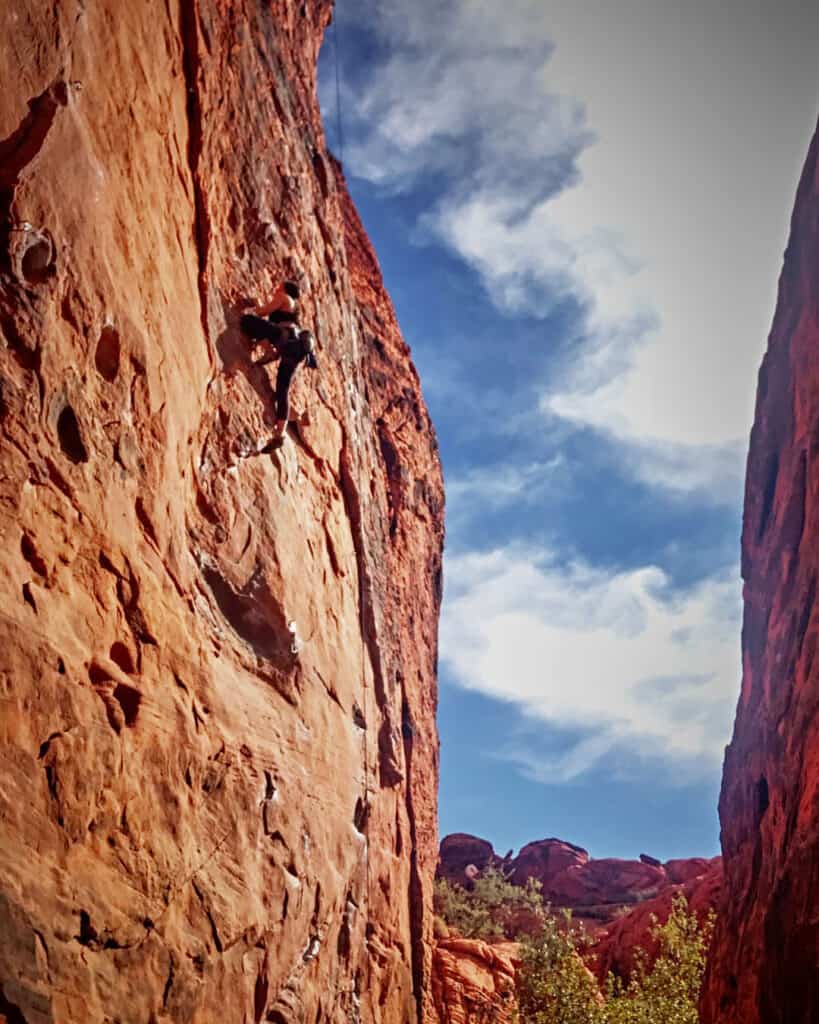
(493, 909)
(555, 987)
(669, 990)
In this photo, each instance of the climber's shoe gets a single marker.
(273, 445)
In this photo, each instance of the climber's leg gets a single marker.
(258, 328)
(287, 368)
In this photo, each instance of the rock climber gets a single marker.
(283, 305)
(275, 324)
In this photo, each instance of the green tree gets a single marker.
(669, 990)
(555, 987)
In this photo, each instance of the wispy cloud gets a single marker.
(637, 669)
(565, 155)
(491, 488)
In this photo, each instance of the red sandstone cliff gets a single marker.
(196, 822)
(765, 959)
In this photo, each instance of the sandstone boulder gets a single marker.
(474, 982)
(459, 852)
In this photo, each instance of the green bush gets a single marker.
(669, 990)
(555, 987)
(493, 909)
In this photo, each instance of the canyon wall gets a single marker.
(218, 755)
(765, 959)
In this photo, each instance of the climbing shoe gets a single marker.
(272, 445)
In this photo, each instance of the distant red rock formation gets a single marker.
(679, 871)
(606, 882)
(596, 891)
(617, 900)
(764, 966)
(459, 851)
(545, 860)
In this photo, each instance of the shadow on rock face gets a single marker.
(255, 615)
(235, 352)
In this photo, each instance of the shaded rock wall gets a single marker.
(765, 960)
(203, 816)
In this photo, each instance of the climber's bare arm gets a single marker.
(277, 300)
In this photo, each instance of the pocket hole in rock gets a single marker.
(37, 260)
(129, 700)
(68, 431)
(121, 656)
(28, 597)
(106, 358)
(360, 815)
(29, 552)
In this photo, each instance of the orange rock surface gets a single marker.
(218, 756)
(764, 967)
(473, 982)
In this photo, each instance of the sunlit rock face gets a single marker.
(765, 960)
(473, 982)
(217, 669)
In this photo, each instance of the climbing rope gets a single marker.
(337, 54)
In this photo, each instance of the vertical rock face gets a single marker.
(765, 962)
(218, 757)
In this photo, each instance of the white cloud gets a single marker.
(498, 486)
(666, 225)
(640, 670)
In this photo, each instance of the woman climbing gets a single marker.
(275, 325)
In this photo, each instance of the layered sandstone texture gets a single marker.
(218, 756)
(765, 961)
(473, 982)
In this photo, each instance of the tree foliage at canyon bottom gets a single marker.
(554, 985)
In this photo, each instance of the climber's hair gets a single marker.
(292, 289)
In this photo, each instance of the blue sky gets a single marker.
(580, 210)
